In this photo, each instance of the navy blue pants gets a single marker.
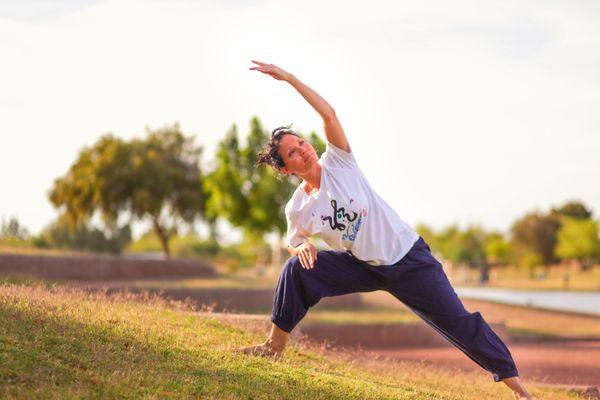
(417, 280)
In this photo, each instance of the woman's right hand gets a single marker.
(271, 69)
(307, 253)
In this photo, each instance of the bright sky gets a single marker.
(458, 112)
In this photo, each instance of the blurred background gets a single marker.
(130, 130)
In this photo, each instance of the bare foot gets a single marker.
(263, 350)
(519, 391)
(519, 396)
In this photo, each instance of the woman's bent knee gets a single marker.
(292, 265)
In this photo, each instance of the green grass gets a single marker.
(362, 316)
(29, 249)
(59, 342)
(222, 282)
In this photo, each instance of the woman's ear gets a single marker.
(285, 171)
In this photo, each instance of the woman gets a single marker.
(373, 249)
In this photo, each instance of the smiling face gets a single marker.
(298, 155)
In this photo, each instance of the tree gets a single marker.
(570, 210)
(461, 247)
(428, 234)
(156, 179)
(266, 194)
(448, 241)
(526, 258)
(223, 186)
(61, 234)
(535, 234)
(250, 198)
(497, 248)
(472, 242)
(578, 240)
(573, 209)
(317, 143)
(13, 230)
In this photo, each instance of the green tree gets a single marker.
(578, 239)
(266, 194)
(524, 257)
(250, 198)
(223, 186)
(62, 234)
(13, 230)
(156, 179)
(460, 247)
(428, 234)
(472, 242)
(448, 241)
(316, 142)
(497, 249)
(534, 237)
(574, 209)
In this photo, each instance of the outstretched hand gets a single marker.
(271, 69)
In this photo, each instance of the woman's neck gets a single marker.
(312, 179)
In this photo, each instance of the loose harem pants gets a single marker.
(417, 280)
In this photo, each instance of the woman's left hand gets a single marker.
(273, 70)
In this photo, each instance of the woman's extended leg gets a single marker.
(419, 281)
(335, 273)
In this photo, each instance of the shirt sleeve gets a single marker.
(295, 235)
(338, 158)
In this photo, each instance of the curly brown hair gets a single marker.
(269, 154)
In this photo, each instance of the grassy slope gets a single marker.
(60, 342)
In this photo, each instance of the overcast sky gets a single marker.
(458, 112)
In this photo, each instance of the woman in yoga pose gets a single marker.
(372, 248)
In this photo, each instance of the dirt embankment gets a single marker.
(571, 362)
(100, 267)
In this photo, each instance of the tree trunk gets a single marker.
(213, 231)
(586, 264)
(162, 236)
(532, 273)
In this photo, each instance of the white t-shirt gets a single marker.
(347, 213)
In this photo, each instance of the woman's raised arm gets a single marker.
(333, 129)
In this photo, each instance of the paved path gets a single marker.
(582, 302)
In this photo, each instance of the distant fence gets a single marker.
(101, 267)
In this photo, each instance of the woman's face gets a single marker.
(298, 155)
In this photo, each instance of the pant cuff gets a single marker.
(281, 324)
(503, 375)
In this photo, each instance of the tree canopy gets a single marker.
(578, 240)
(535, 234)
(250, 198)
(156, 179)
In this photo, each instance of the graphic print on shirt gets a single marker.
(344, 221)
